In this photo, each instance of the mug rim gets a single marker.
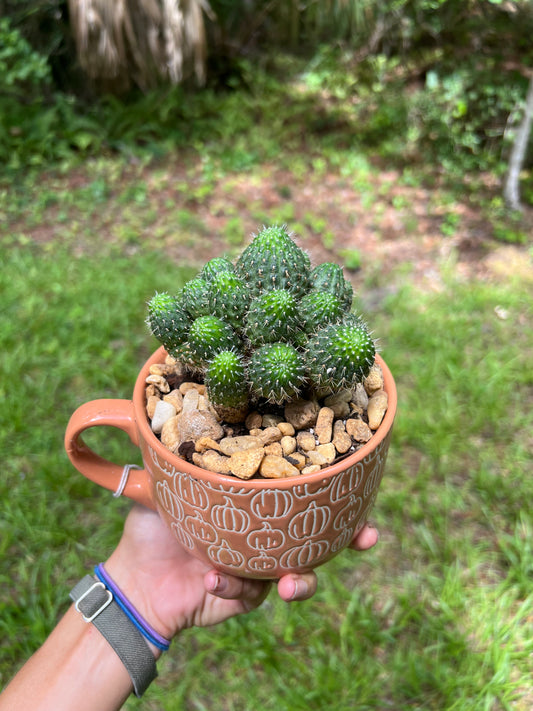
(150, 439)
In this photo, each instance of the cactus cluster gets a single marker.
(268, 326)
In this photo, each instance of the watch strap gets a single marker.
(97, 605)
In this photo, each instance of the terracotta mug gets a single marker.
(255, 528)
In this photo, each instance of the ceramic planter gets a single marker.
(258, 528)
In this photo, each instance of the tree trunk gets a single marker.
(511, 190)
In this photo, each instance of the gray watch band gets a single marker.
(96, 604)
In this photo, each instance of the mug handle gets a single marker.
(107, 413)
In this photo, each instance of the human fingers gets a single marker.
(250, 592)
(367, 537)
(297, 587)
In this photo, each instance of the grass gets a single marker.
(439, 616)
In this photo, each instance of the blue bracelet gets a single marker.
(129, 610)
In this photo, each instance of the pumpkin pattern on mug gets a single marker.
(266, 539)
(310, 522)
(200, 529)
(310, 553)
(223, 554)
(229, 517)
(271, 503)
(181, 534)
(347, 516)
(346, 483)
(190, 491)
(169, 501)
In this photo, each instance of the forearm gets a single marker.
(75, 668)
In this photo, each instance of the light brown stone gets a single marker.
(194, 424)
(315, 457)
(324, 425)
(254, 420)
(213, 461)
(204, 443)
(374, 380)
(151, 390)
(328, 452)
(151, 404)
(160, 382)
(377, 407)
(341, 439)
(161, 369)
(274, 448)
(175, 398)
(271, 434)
(360, 396)
(190, 400)
(286, 429)
(339, 403)
(245, 464)
(189, 385)
(229, 445)
(359, 430)
(302, 413)
(270, 420)
(306, 441)
(273, 467)
(288, 444)
(169, 434)
(311, 469)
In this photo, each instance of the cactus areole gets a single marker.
(268, 327)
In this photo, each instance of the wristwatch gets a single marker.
(97, 605)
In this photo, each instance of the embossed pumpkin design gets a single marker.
(254, 528)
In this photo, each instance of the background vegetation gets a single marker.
(380, 133)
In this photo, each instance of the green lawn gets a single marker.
(439, 616)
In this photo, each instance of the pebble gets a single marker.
(288, 444)
(245, 464)
(273, 467)
(359, 430)
(377, 407)
(302, 414)
(324, 425)
(341, 439)
(160, 382)
(374, 380)
(175, 398)
(229, 445)
(303, 441)
(163, 411)
(306, 441)
(360, 396)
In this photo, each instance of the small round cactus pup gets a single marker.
(226, 384)
(195, 297)
(167, 320)
(318, 308)
(272, 317)
(208, 335)
(330, 277)
(216, 266)
(276, 372)
(273, 261)
(229, 297)
(340, 355)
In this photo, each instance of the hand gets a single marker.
(173, 590)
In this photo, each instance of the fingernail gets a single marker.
(301, 589)
(219, 583)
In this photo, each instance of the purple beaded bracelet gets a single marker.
(129, 610)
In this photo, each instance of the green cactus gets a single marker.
(168, 321)
(228, 298)
(318, 308)
(329, 277)
(195, 297)
(207, 336)
(216, 266)
(274, 261)
(266, 327)
(226, 384)
(339, 355)
(276, 372)
(273, 316)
